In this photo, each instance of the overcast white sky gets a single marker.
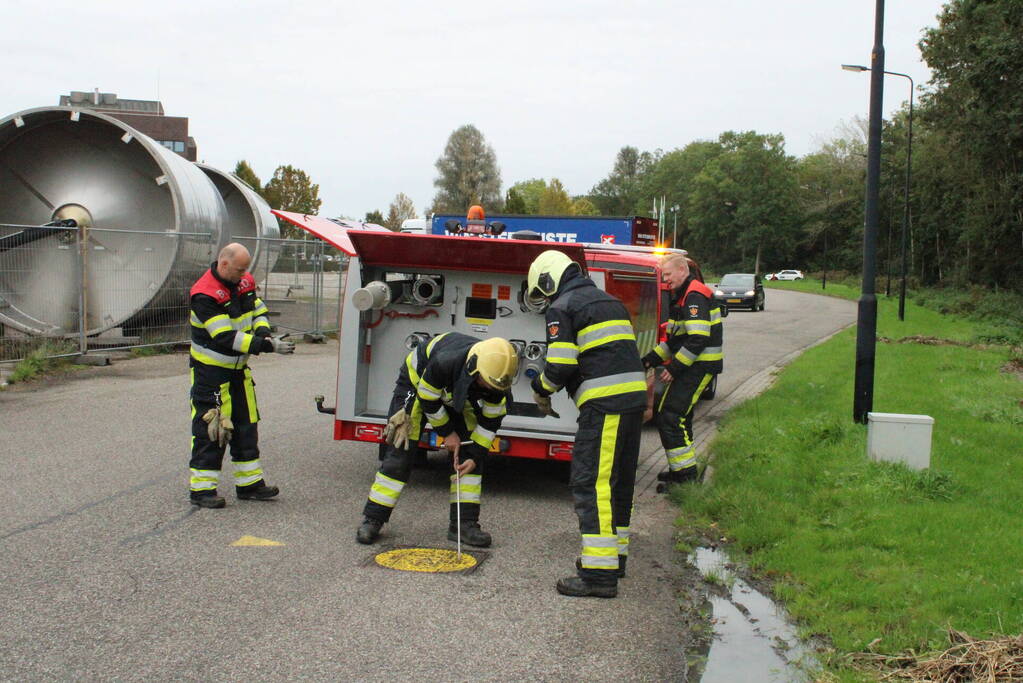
(363, 95)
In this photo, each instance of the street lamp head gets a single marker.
(855, 67)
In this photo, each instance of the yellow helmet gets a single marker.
(545, 273)
(495, 361)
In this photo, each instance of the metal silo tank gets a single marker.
(58, 162)
(248, 220)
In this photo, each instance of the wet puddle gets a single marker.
(753, 641)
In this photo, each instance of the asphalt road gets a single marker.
(106, 571)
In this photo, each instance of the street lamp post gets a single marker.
(866, 315)
(674, 227)
(909, 171)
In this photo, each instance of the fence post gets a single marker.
(82, 239)
(317, 287)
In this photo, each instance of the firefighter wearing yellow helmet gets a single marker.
(461, 386)
(591, 352)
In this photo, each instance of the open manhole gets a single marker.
(430, 560)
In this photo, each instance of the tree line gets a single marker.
(741, 202)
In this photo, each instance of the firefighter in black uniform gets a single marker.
(229, 323)
(591, 351)
(461, 385)
(690, 356)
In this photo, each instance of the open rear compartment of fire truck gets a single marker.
(402, 290)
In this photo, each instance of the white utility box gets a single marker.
(893, 437)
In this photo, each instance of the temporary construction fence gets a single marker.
(67, 291)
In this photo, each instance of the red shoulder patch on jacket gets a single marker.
(211, 287)
(247, 284)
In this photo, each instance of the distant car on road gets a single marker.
(785, 275)
(740, 290)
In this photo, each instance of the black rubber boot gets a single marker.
(471, 534)
(577, 587)
(207, 500)
(679, 476)
(368, 531)
(257, 491)
(622, 559)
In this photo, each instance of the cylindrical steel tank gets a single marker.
(60, 162)
(249, 220)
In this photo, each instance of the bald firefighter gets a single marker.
(461, 386)
(591, 352)
(229, 323)
(688, 360)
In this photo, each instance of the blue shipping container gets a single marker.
(589, 229)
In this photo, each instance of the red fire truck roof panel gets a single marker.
(455, 253)
(333, 231)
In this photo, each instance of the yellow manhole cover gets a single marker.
(425, 560)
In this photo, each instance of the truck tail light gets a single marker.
(369, 432)
(560, 450)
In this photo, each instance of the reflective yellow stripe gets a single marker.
(610, 385)
(469, 490)
(247, 473)
(433, 342)
(410, 365)
(385, 491)
(599, 551)
(564, 353)
(250, 397)
(427, 392)
(220, 360)
(604, 333)
(608, 441)
(225, 399)
(547, 385)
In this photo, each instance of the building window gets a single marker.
(179, 146)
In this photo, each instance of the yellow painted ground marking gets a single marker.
(425, 560)
(254, 540)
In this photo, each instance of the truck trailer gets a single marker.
(621, 230)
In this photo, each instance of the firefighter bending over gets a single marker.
(461, 385)
(691, 356)
(591, 351)
(229, 323)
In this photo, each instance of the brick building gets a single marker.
(146, 116)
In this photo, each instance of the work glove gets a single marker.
(281, 345)
(396, 431)
(544, 404)
(218, 426)
(651, 360)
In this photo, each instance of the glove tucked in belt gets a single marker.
(396, 431)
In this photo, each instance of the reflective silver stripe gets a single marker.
(599, 552)
(623, 540)
(609, 380)
(385, 490)
(561, 352)
(620, 329)
(715, 316)
(261, 321)
(435, 418)
(203, 480)
(547, 385)
(239, 343)
(427, 392)
(484, 437)
(697, 327)
(248, 472)
(685, 356)
(470, 489)
(211, 357)
(681, 457)
(663, 350)
(494, 409)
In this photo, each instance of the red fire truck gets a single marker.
(400, 290)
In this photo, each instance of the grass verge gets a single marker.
(875, 556)
(41, 360)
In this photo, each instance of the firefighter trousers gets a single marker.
(396, 469)
(602, 481)
(236, 399)
(674, 418)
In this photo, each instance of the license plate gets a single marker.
(734, 301)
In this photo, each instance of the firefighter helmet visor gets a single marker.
(494, 361)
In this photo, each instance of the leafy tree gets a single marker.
(671, 177)
(743, 204)
(584, 207)
(375, 217)
(400, 210)
(290, 189)
(514, 203)
(619, 193)
(555, 200)
(245, 173)
(467, 174)
(973, 134)
(530, 191)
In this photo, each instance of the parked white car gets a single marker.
(786, 275)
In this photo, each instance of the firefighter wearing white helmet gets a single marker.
(461, 386)
(591, 352)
